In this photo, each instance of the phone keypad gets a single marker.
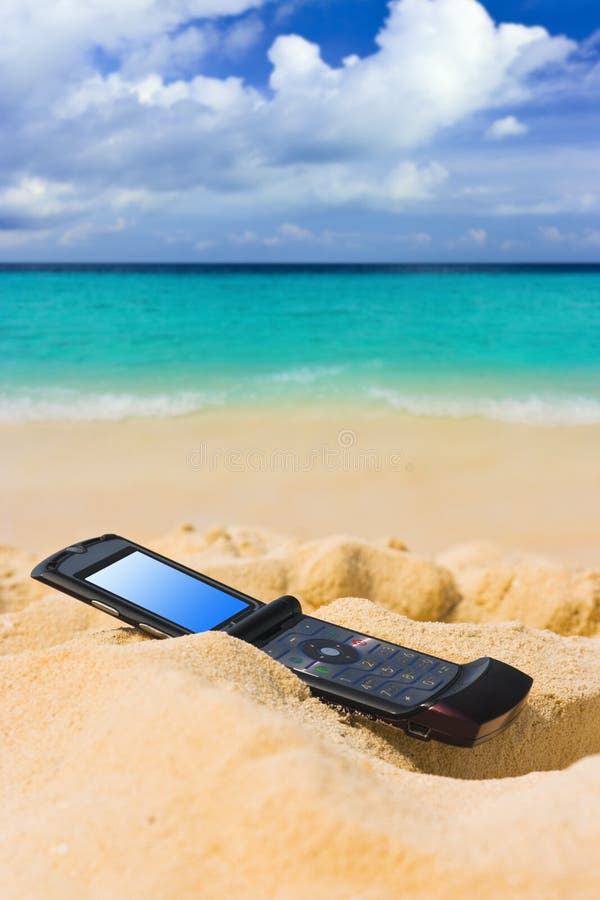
(405, 677)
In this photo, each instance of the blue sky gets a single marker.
(338, 130)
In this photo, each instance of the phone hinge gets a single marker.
(266, 619)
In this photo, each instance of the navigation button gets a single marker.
(329, 651)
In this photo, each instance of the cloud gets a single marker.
(477, 236)
(32, 197)
(109, 109)
(15, 237)
(437, 62)
(289, 232)
(511, 244)
(421, 238)
(84, 230)
(242, 35)
(295, 232)
(509, 126)
(553, 235)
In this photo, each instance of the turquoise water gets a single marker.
(520, 344)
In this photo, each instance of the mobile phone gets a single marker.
(429, 698)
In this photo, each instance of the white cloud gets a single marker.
(107, 110)
(552, 234)
(242, 35)
(18, 237)
(437, 63)
(34, 197)
(509, 126)
(86, 229)
(421, 238)
(246, 237)
(295, 232)
(203, 246)
(477, 236)
(543, 208)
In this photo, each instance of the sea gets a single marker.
(108, 342)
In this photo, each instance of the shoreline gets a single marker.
(307, 471)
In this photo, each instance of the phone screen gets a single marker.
(161, 589)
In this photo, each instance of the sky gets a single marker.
(301, 130)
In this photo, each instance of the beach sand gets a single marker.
(199, 767)
(309, 472)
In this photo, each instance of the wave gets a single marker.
(304, 374)
(70, 405)
(65, 404)
(532, 409)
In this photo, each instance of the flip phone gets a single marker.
(429, 698)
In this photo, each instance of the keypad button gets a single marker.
(411, 697)
(388, 691)
(290, 640)
(370, 683)
(333, 632)
(323, 670)
(274, 651)
(361, 643)
(423, 663)
(367, 664)
(447, 670)
(329, 651)
(430, 682)
(349, 676)
(404, 657)
(308, 626)
(388, 669)
(408, 676)
(295, 660)
(383, 651)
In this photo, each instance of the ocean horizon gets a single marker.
(517, 343)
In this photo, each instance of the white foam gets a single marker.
(532, 409)
(62, 404)
(69, 405)
(305, 374)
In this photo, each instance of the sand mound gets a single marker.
(200, 767)
(320, 571)
(495, 586)
(16, 587)
(560, 724)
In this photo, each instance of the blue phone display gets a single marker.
(167, 592)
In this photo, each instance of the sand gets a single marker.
(199, 767)
(310, 472)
